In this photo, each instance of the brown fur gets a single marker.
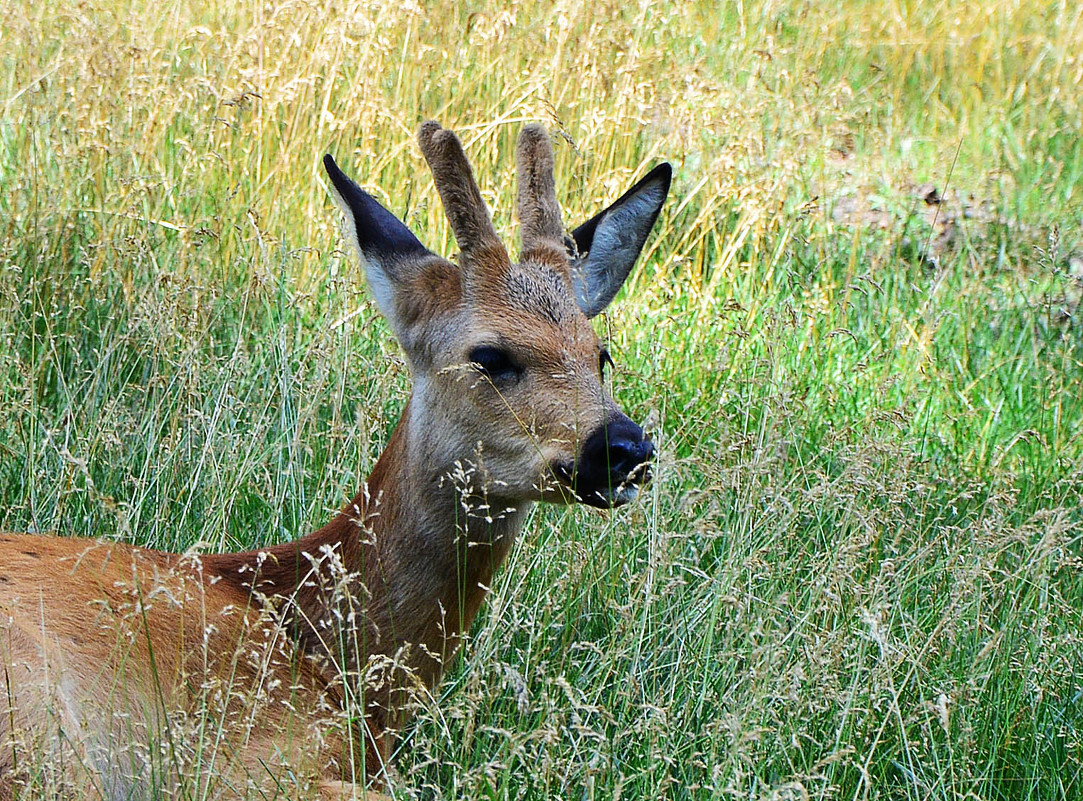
(459, 191)
(538, 209)
(251, 661)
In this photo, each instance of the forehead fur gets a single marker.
(530, 305)
(541, 291)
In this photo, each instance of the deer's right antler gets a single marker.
(459, 192)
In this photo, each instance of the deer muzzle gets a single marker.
(614, 461)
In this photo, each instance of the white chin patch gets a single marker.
(623, 495)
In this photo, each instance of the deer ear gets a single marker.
(610, 242)
(386, 246)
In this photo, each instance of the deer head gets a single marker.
(508, 372)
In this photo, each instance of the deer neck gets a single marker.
(430, 544)
(413, 552)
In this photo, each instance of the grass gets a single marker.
(857, 574)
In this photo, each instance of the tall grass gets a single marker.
(857, 574)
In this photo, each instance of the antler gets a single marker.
(458, 190)
(539, 211)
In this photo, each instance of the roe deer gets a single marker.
(132, 673)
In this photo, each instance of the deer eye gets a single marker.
(495, 364)
(604, 361)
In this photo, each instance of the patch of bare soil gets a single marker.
(929, 226)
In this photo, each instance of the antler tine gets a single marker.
(458, 190)
(539, 211)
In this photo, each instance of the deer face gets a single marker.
(509, 374)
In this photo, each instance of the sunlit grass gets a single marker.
(857, 572)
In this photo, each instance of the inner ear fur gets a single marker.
(610, 242)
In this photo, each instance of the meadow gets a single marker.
(855, 336)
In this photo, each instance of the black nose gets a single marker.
(628, 452)
(612, 459)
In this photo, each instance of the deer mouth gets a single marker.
(608, 495)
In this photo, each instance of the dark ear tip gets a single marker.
(342, 183)
(663, 172)
(337, 176)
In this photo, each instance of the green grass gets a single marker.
(857, 573)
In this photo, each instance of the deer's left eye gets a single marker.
(495, 364)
